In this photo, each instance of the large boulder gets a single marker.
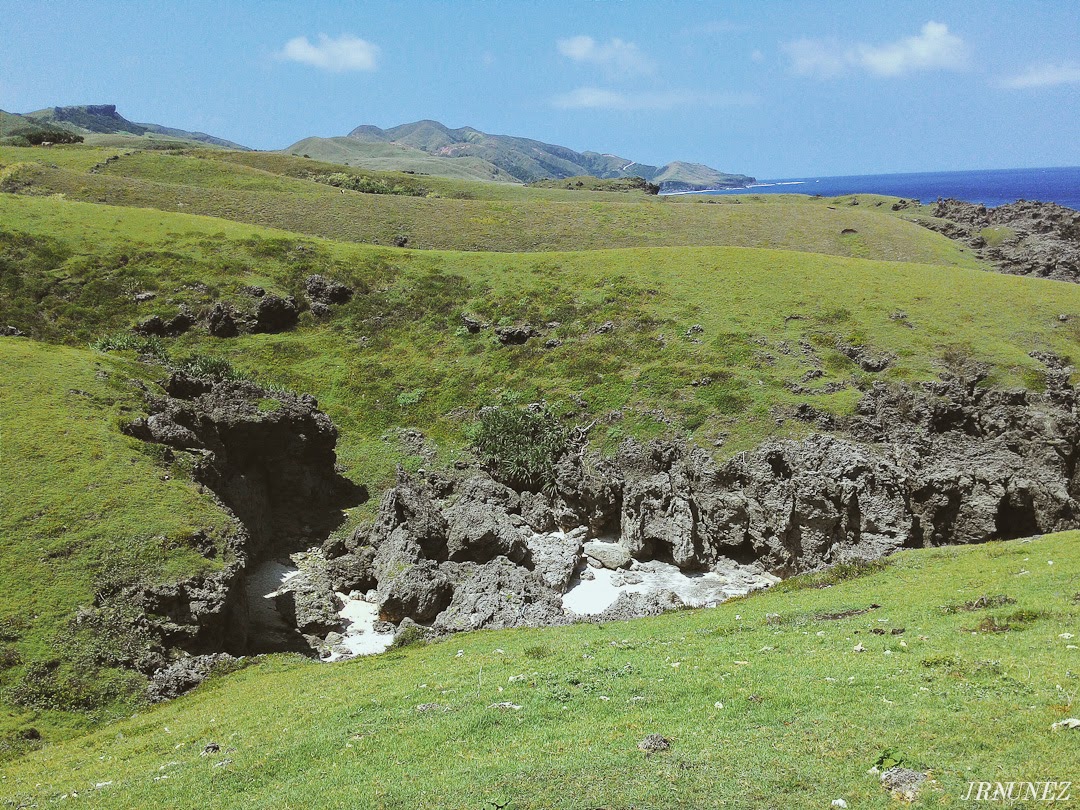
(322, 290)
(480, 525)
(222, 321)
(275, 314)
(607, 555)
(555, 556)
(419, 591)
(497, 595)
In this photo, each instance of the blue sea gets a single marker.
(990, 187)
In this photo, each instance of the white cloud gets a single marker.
(811, 57)
(334, 54)
(617, 57)
(933, 48)
(598, 98)
(1043, 75)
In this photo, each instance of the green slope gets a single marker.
(396, 157)
(761, 276)
(499, 217)
(81, 505)
(103, 119)
(764, 700)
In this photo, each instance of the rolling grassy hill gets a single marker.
(637, 300)
(765, 702)
(278, 191)
(397, 157)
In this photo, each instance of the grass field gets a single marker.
(270, 190)
(404, 333)
(765, 701)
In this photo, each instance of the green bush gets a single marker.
(520, 445)
(49, 136)
(211, 368)
(367, 185)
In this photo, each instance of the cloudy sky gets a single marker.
(773, 88)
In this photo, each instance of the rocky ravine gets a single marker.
(1029, 238)
(949, 462)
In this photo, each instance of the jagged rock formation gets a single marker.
(951, 461)
(269, 459)
(1027, 238)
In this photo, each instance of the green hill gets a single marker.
(723, 323)
(103, 119)
(516, 159)
(396, 157)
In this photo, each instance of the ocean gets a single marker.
(990, 187)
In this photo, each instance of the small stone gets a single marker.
(505, 706)
(211, 748)
(903, 783)
(1068, 723)
(859, 648)
(838, 803)
(654, 743)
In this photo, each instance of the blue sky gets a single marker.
(769, 88)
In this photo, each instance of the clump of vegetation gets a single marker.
(589, 183)
(368, 185)
(981, 603)
(148, 346)
(520, 445)
(409, 636)
(217, 369)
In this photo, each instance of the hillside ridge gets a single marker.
(103, 119)
(520, 159)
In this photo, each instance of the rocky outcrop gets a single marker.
(275, 314)
(497, 595)
(186, 673)
(948, 462)
(269, 459)
(952, 461)
(514, 335)
(1023, 238)
(222, 321)
(326, 292)
(156, 326)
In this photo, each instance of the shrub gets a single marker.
(211, 368)
(367, 185)
(128, 341)
(50, 136)
(520, 445)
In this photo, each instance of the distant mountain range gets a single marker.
(424, 147)
(100, 119)
(433, 148)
